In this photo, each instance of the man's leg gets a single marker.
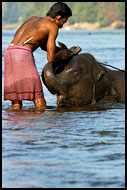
(16, 105)
(40, 104)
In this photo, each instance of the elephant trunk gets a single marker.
(53, 84)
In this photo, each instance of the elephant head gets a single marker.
(79, 81)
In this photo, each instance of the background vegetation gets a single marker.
(103, 12)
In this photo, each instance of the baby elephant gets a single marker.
(82, 80)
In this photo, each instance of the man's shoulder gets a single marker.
(32, 18)
(49, 25)
(48, 22)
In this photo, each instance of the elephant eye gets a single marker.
(76, 74)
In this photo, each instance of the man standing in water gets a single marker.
(21, 79)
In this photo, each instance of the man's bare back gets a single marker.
(35, 27)
(43, 32)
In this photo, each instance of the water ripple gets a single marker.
(69, 147)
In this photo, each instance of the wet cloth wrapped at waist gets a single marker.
(21, 79)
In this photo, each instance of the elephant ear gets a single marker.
(101, 80)
(63, 46)
(75, 50)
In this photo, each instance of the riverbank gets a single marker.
(78, 26)
(94, 26)
(11, 26)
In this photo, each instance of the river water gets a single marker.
(66, 147)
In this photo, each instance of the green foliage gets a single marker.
(35, 9)
(103, 12)
(121, 11)
(83, 12)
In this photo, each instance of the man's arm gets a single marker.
(52, 56)
(44, 48)
(51, 45)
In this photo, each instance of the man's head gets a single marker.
(60, 12)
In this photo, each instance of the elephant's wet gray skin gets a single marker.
(82, 80)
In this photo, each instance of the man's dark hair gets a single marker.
(59, 9)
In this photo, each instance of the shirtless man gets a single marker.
(21, 79)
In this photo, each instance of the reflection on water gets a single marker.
(73, 147)
(69, 147)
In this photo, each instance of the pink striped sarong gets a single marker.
(21, 79)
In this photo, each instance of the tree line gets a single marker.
(103, 12)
